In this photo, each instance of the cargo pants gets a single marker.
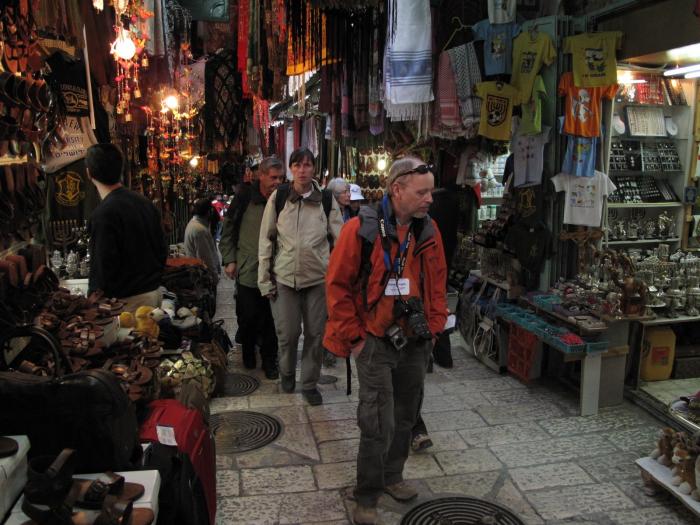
(391, 385)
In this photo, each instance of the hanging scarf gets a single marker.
(465, 67)
(408, 70)
(242, 47)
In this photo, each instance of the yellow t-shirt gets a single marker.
(594, 58)
(497, 101)
(530, 51)
(531, 121)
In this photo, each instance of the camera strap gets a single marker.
(399, 262)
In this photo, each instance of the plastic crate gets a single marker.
(595, 347)
(522, 350)
(569, 349)
(547, 302)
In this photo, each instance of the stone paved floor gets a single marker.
(523, 447)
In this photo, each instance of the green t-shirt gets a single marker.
(531, 121)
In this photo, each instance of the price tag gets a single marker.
(397, 287)
(166, 435)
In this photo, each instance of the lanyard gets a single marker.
(402, 255)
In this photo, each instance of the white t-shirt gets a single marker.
(528, 153)
(584, 197)
(502, 11)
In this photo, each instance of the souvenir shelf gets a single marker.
(649, 154)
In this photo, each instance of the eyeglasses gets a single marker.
(422, 169)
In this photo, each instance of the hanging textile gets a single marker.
(261, 118)
(306, 42)
(408, 72)
(465, 67)
(242, 44)
(309, 136)
(447, 106)
(224, 109)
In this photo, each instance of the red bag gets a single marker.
(192, 437)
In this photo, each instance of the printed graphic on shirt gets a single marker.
(581, 152)
(527, 61)
(498, 46)
(526, 202)
(69, 192)
(583, 195)
(501, 5)
(595, 60)
(497, 109)
(581, 106)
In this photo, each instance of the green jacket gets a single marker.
(244, 252)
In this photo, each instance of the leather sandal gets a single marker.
(91, 493)
(8, 447)
(49, 482)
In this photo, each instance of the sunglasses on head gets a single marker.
(422, 169)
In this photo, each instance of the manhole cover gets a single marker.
(239, 385)
(236, 432)
(460, 511)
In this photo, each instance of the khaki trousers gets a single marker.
(290, 309)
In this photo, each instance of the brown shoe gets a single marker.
(401, 491)
(365, 515)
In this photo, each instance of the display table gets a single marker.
(657, 476)
(150, 479)
(13, 474)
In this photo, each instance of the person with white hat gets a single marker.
(356, 199)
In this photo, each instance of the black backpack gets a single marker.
(283, 194)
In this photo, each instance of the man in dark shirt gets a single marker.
(127, 245)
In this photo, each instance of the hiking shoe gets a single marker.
(421, 442)
(313, 397)
(401, 491)
(365, 515)
(329, 360)
(288, 384)
(271, 371)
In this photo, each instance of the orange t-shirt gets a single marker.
(582, 107)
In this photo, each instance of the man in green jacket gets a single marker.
(239, 253)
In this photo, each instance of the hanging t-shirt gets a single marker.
(498, 99)
(531, 49)
(498, 45)
(580, 156)
(529, 204)
(528, 151)
(531, 121)
(584, 197)
(531, 244)
(594, 58)
(582, 106)
(502, 11)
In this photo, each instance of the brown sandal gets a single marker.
(91, 493)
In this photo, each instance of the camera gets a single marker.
(396, 337)
(412, 311)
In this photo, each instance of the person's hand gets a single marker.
(355, 350)
(272, 295)
(230, 270)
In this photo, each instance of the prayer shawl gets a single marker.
(447, 113)
(408, 68)
(465, 66)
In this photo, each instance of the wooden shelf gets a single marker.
(638, 173)
(614, 205)
(641, 241)
(650, 138)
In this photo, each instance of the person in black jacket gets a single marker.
(127, 245)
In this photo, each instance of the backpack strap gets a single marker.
(236, 213)
(281, 197)
(327, 201)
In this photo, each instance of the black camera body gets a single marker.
(412, 310)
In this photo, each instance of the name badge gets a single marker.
(398, 287)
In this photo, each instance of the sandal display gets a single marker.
(91, 493)
(8, 447)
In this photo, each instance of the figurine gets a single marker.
(666, 225)
(664, 447)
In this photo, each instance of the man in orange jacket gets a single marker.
(386, 296)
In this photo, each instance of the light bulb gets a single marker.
(124, 46)
(381, 164)
(194, 162)
(171, 102)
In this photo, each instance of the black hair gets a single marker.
(301, 154)
(105, 162)
(201, 207)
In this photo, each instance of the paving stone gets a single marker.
(548, 476)
(335, 475)
(639, 441)
(553, 451)
(386, 517)
(634, 489)
(272, 390)
(516, 396)
(611, 467)
(277, 480)
(300, 440)
(509, 496)
(318, 506)
(227, 483)
(432, 389)
(330, 430)
(452, 420)
(288, 415)
(445, 440)
(480, 385)
(498, 415)
(270, 456)
(504, 434)
(654, 516)
(332, 412)
(224, 462)
(476, 484)
(566, 502)
(338, 395)
(337, 451)
(341, 522)
(463, 461)
(447, 403)
(603, 422)
(275, 400)
(250, 510)
(464, 374)
(228, 404)
(419, 466)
